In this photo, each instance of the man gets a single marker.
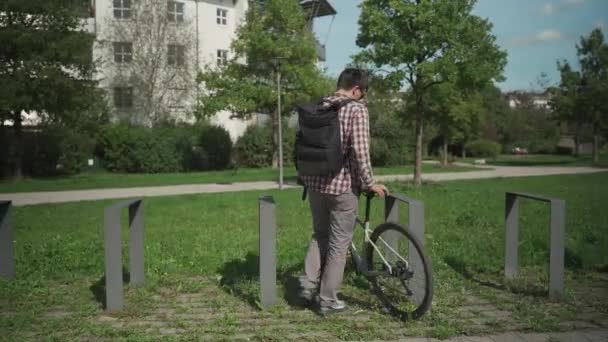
(334, 198)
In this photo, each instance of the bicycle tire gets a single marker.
(427, 299)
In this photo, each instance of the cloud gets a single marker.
(540, 37)
(549, 8)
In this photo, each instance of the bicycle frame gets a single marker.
(360, 264)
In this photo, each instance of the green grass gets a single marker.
(542, 160)
(60, 258)
(101, 180)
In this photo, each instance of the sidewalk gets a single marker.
(588, 335)
(31, 198)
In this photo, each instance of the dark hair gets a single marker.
(351, 77)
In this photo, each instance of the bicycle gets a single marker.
(414, 291)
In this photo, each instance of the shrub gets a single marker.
(166, 149)
(214, 148)
(483, 148)
(55, 151)
(254, 148)
(139, 149)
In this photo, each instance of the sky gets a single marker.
(535, 34)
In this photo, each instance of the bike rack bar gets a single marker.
(268, 256)
(558, 223)
(113, 250)
(415, 225)
(7, 248)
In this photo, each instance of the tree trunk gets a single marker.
(596, 143)
(444, 159)
(275, 140)
(17, 147)
(418, 165)
(577, 141)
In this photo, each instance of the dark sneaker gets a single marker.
(336, 307)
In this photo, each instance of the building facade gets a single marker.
(150, 51)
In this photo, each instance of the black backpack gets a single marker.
(318, 147)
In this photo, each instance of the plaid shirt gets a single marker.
(357, 170)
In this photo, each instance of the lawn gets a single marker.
(542, 160)
(214, 237)
(101, 180)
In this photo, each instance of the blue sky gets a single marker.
(535, 34)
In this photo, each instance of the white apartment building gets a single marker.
(163, 44)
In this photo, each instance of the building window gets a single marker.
(222, 16)
(123, 52)
(123, 97)
(175, 11)
(222, 57)
(176, 54)
(122, 9)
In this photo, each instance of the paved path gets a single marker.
(30, 198)
(588, 335)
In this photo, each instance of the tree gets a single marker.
(567, 102)
(423, 43)
(275, 38)
(161, 63)
(45, 66)
(593, 56)
(457, 113)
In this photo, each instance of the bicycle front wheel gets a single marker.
(406, 288)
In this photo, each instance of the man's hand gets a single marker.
(379, 189)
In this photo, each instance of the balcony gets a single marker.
(317, 8)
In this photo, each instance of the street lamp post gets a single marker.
(280, 129)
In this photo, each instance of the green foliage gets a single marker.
(45, 65)
(426, 43)
(168, 149)
(388, 147)
(54, 151)
(254, 148)
(275, 37)
(215, 144)
(483, 148)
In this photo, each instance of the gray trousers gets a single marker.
(333, 225)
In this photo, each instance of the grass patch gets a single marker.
(101, 180)
(60, 257)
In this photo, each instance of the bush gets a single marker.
(483, 148)
(56, 151)
(254, 148)
(214, 148)
(139, 149)
(167, 149)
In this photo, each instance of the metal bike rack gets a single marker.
(113, 250)
(268, 255)
(416, 213)
(415, 225)
(7, 248)
(558, 223)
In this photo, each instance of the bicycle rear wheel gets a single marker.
(407, 290)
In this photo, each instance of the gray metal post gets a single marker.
(7, 248)
(136, 244)
(512, 232)
(416, 223)
(391, 214)
(267, 243)
(556, 266)
(391, 209)
(113, 249)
